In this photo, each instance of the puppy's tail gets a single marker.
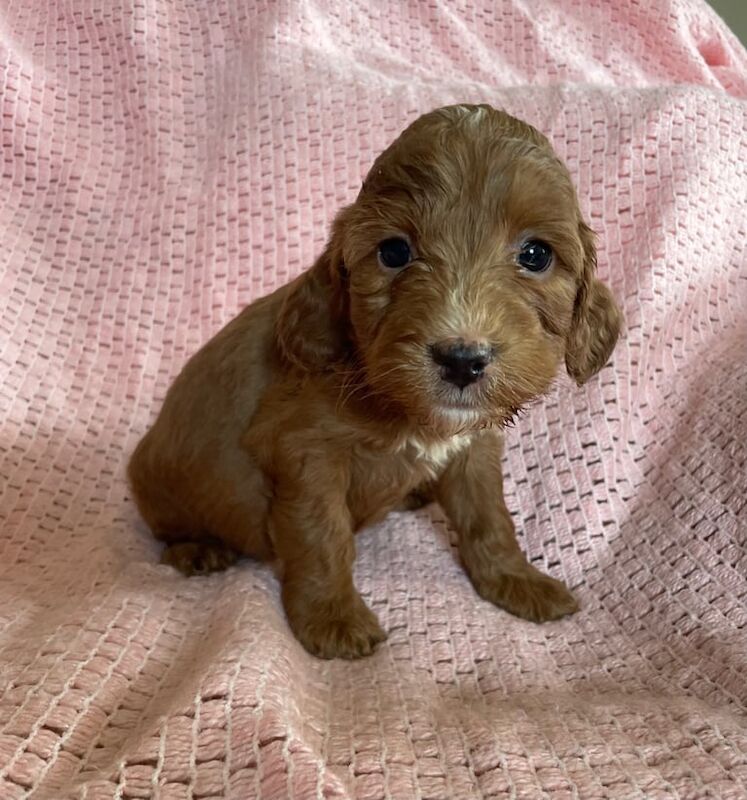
(199, 558)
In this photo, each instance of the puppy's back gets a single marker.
(184, 470)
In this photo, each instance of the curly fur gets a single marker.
(319, 408)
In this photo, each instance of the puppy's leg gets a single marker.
(314, 540)
(471, 493)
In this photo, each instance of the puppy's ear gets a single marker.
(311, 324)
(596, 321)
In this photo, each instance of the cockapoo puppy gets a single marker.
(447, 296)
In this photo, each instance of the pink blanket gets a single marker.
(164, 162)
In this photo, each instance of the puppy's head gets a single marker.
(460, 278)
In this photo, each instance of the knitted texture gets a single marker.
(164, 163)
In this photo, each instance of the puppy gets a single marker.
(447, 296)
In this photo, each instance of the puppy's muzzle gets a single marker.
(462, 363)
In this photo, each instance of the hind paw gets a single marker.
(198, 558)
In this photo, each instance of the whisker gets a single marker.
(373, 391)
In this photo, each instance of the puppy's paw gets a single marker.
(351, 632)
(199, 558)
(529, 594)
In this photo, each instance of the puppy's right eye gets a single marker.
(394, 253)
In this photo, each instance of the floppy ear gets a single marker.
(596, 319)
(310, 327)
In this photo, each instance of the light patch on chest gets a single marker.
(436, 455)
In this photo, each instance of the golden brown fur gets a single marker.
(320, 408)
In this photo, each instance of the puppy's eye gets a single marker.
(394, 253)
(535, 256)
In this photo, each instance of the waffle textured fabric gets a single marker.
(164, 163)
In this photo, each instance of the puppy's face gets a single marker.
(468, 272)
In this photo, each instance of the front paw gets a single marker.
(529, 594)
(337, 630)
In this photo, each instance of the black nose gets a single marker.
(461, 362)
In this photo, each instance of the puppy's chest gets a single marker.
(431, 458)
(381, 479)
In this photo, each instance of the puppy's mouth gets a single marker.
(484, 403)
(450, 399)
(473, 415)
(474, 399)
(469, 408)
(461, 418)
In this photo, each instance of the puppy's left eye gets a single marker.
(394, 253)
(535, 256)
